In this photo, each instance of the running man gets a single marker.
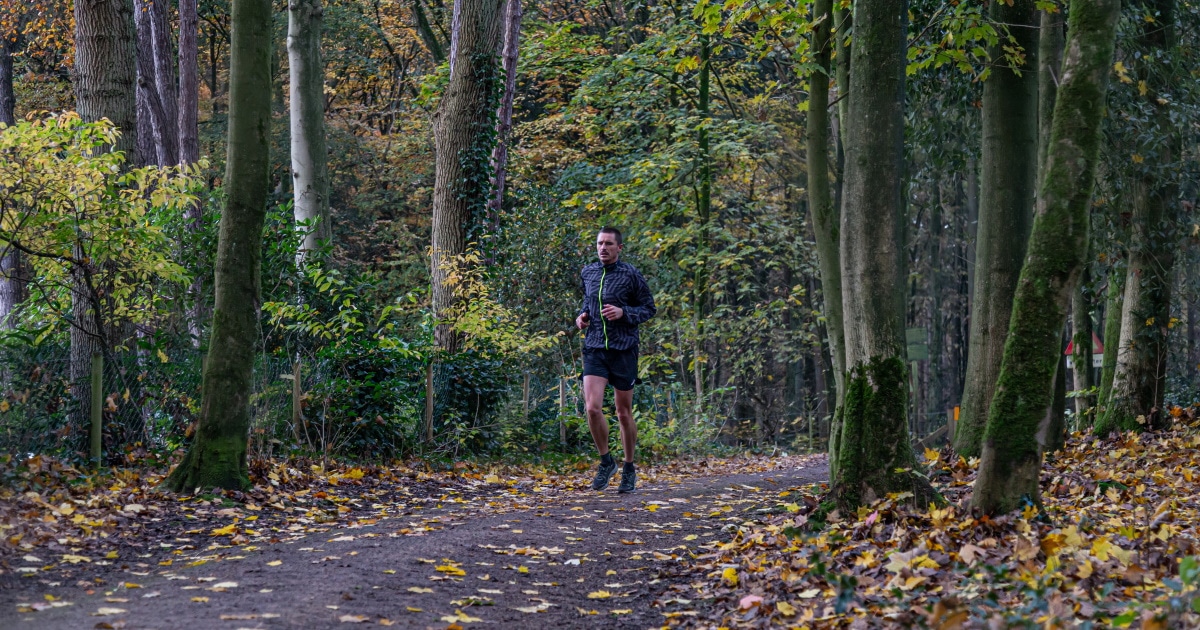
(616, 299)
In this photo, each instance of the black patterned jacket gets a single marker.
(621, 285)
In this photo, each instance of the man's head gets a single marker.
(608, 245)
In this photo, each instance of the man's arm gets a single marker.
(641, 308)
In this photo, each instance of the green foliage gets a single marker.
(68, 205)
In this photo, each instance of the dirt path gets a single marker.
(590, 559)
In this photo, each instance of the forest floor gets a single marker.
(740, 542)
(383, 546)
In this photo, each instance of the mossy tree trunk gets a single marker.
(825, 215)
(310, 170)
(1139, 381)
(874, 455)
(217, 455)
(1008, 179)
(1011, 461)
(464, 134)
(1112, 335)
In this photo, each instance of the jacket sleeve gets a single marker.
(583, 303)
(641, 308)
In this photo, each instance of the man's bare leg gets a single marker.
(593, 401)
(625, 420)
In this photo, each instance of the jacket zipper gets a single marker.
(600, 300)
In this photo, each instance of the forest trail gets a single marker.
(582, 559)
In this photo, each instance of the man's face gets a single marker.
(607, 248)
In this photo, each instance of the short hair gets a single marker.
(614, 231)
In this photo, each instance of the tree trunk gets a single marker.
(217, 456)
(1112, 336)
(1140, 379)
(825, 216)
(189, 140)
(464, 133)
(1012, 457)
(164, 81)
(8, 97)
(1008, 179)
(12, 288)
(427, 35)
(105, 80)
(1052, 433)
(152, 117)
(874, 444)
(1081, 327)
(508, 59)
(310, 172)
(189, 91)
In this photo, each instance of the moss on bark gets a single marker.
(1011, 461)
(875, 458)
(217, 456)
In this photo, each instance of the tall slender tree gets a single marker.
(824, 213)
(464, 136)
(509, 50)
(310, 170)
(1011, 462)
(1008, 180)
(217, 455)
(1139, 382)
(874, 454)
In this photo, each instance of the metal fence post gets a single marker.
(297, 416)
(97, 404)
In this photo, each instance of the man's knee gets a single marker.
(594, 410)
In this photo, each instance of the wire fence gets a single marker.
(366, 407)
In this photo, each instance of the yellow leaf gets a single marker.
(1101, 548)
(621, 611)
(932, 455)
(413, 609)
(1138, 159)
(418, 589)
(224, 531)
(389, 571)
(652, 508)
(599, 595)
(522, 569)
(730, 576)
(355, 473)
(690, 537)
(1142, 88)
(275, 563)
(785, 609)
(200, 600)
(162, 356)
(460, 617)
(452, 570)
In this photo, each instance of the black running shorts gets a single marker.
(618, 366)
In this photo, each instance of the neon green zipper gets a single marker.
(600, 299)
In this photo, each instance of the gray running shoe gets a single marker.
(603, 475)
(628, 481)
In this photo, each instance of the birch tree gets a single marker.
(310, 171)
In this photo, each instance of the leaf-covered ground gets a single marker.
(395, 546)
(714, 543)
(1113, 547)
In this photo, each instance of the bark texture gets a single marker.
(189, 88)
(1011, 462)
(164, 80)
(151, 118)
(12, 287)
(104, 79)
(508, 60)
(1141, 372)
(1112, 335)
(217, 455)
(310, 170)
(464, 135)
(825, 216)
(1008, 181)
(874, 443)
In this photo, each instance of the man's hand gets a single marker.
(581, 322)
(612, 313)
